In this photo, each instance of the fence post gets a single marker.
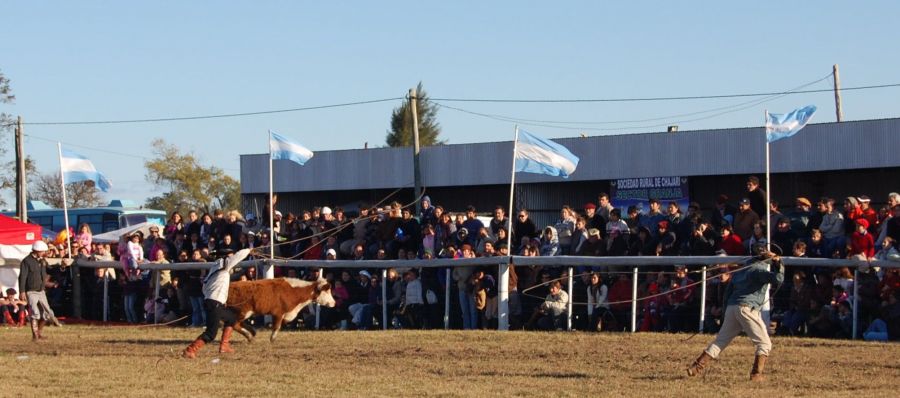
(855, 301)
(76, 290)
(634, 292)
(447, 300)
(569, 304)
(384, 308)
(106, 295)
(503, 297)
(156, 297)
(317, 315)
(702, 300)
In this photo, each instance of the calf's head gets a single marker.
(323, 293)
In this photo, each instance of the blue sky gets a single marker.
(103, 60)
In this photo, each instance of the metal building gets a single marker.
(826, 159)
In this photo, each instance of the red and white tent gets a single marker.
(16, 239)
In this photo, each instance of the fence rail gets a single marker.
(502, 262)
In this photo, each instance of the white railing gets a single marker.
(503, 262)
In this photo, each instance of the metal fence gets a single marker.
(635, 263)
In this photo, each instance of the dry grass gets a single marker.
(127, 361)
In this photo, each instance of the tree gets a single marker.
(401, 133)
(78, 194)
(7, 124)
(190, 185)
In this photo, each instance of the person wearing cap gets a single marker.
(150, 241)
(593, 219)
(799, 217)
(666, 243)
(653, 217)
(745, 219)
(215, 295)
(744, 297)
(861, 242)
(32, 289)
(852, 212)
(868, 212)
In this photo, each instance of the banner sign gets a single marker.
(626, 192)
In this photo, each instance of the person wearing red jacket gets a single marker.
(731, 243)
(861, 242)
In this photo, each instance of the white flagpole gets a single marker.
(768, 188)
(766, 313)
(270, 271)
(503, 280)
(62, 185)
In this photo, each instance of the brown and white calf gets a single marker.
(282, 298)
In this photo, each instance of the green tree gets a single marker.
(79, 194)
(191, 186)
(401, 133)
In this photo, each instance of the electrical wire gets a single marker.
(728, 109)
(128, 155)
(525, 120)
(201, 117)
(648, 99)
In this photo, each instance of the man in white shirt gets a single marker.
(215, 293)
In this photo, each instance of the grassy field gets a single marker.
(129, 361)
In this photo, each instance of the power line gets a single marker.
(226, 115)
(545, 122)
(128, 155)
(679, 98)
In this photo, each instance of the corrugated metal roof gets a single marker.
(825, 146)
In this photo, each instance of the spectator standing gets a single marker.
(756, 195)
(32, 285)
(745, 219)
(524, 227)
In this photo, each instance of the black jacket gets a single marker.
(32, 274)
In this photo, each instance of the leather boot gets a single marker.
(697, 367)
(22, 318)
(8, 318)
(756, 374)
(40, 331)
(35, 334)
(191, 351)
(225, 345)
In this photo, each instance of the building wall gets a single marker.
(851, 145)
(544, 200)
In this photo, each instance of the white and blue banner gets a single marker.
(542, 156)
(285, 149)
(76, 168)
(780, 126)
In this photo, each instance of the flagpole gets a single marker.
(766, 314)
(503, 280)
(270, 270)
(768, 188)
(62, 185)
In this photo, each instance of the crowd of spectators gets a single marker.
(818, 301)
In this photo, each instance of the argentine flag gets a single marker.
(542, 156)
(76, 167)
(283, 148)
(780, 126)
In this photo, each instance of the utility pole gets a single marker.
(837, 94)
(21, 183)
(417, 174)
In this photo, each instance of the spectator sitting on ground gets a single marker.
(551, 315)
(14, 309)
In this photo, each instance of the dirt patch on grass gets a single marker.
(128, 361)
